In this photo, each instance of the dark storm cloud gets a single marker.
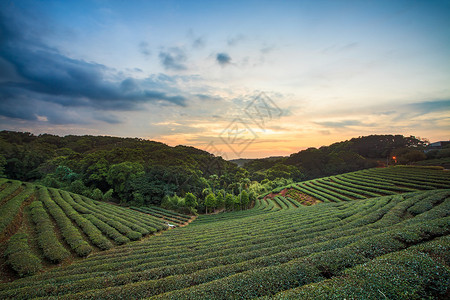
(34, 74)
(173, 59)
(223, 59)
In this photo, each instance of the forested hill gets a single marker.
(133, 168)
(139, 171)
(351, 155)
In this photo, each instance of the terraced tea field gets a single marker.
(42, 226)
(395, 246)
(356, 185)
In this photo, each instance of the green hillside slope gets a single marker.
(41, 226)
(356, 185)
(343, 249)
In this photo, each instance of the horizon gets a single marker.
(247, 79)
(239, 158)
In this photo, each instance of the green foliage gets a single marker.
(78, 187)
(95, 235)
(70, 233)
(2, 166)
(108, 230)
(97, 194)
(210, 201)
(190, 200)
(342, 250)
(371, 183)
(355, 154)
(19, 256)
(10, 209)
(229, 201)
(52, 248)
(244, 199)
(108, 196)
(406, 155)
(120, 174)
(138, 171)
(402, 275)
(220, 201)
(173, 202)
(237, 205)
(158, 212)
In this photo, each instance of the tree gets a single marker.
(219, 199)
(138, 199)
(2, 165)
(108, 196)
(237, 203)
(229, 201)
(97, 173)
(210, 201)
(97, 194)
(245, 200)
(214, 180)
(78, 187)
(190, 201)
(119, 176)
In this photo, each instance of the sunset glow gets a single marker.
(187, 72)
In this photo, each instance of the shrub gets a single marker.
(97, 194)
(71, 234)
(19, 256)
(52, 249)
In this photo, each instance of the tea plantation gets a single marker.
(41, 226)
(376, 234)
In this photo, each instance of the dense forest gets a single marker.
(352, 155)
(130, 169)
(134, 171)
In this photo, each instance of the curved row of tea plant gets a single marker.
(62, 224)
(164, 215)
(258, 253)
(11, 205)
(20, 257)
(372, 183)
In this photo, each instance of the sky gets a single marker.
(235, 78)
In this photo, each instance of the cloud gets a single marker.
(233, 41)
(223, 59)
(198, 43)
(426, 107)
(173, 59)
(36, 75)
(267, 49)
(144, 49)
(342, 124)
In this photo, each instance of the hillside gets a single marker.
(41, 227)
(361, 185)
(395, 241)
(243, 161)
(352, 155)
(135, 171)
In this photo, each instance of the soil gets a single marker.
(306, 198)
